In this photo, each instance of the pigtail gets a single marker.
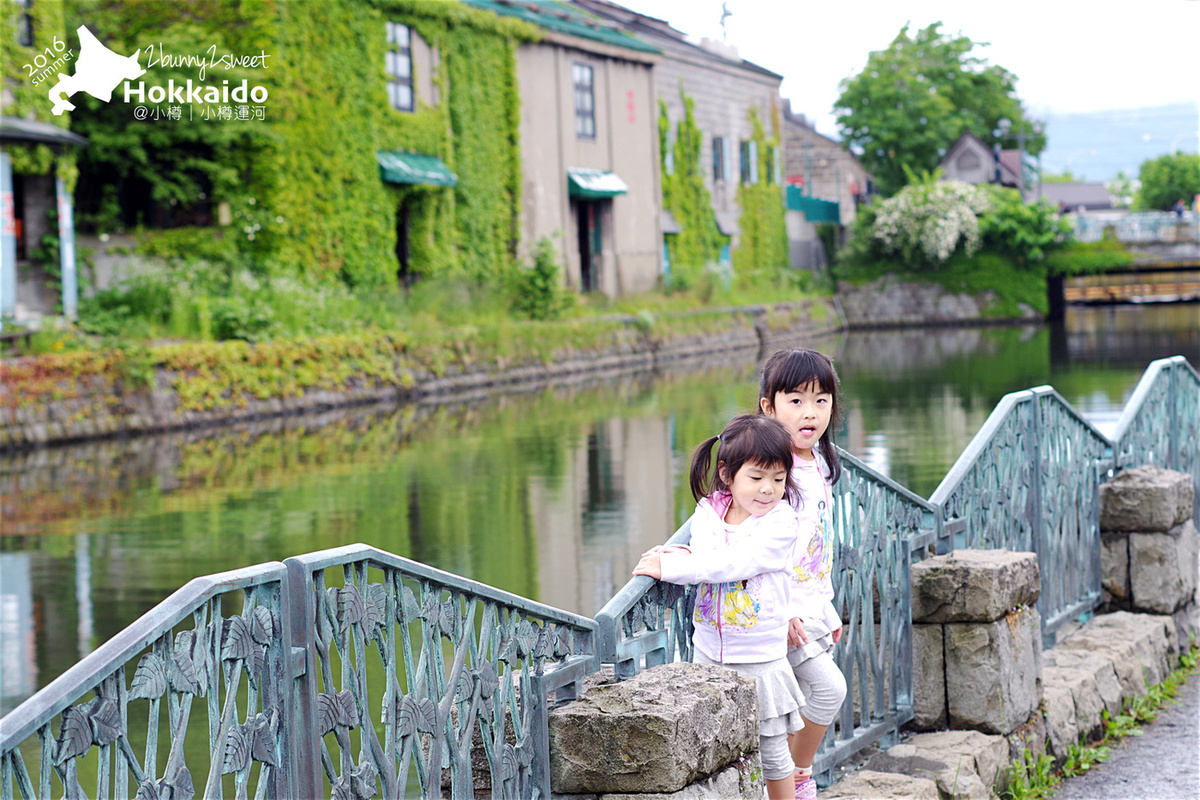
(830, 454)
(701, 478)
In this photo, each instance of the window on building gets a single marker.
(398, 66)
(585, 101)
(749, 162)
(24, 25)
(718, 155)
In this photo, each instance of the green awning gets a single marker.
(593, 184)
(414, 168)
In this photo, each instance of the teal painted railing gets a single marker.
(353, 672)
(814, 209)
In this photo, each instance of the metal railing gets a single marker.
(1161, 422)
(343, 671)
(292, 661)
(1143, 226)
(1030, 482)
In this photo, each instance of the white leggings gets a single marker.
(824, 688)
(776, 758)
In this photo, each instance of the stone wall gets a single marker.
(891, 301)
(105, 409)
(1150, 550)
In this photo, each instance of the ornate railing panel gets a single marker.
(1029, 482)
(462, 670)
(878, 524)
(647, 623)
(227, 673)
(985, 498)
(1073, 459)
(1161, 421)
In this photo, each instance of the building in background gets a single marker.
(970, 160)
(37, 166)
(589, 147)
(825, 185)
(725, 90)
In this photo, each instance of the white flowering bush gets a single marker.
(925, 222)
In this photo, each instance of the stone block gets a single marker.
(892, 785)
(1146, 499)
(1096, 665)
(993, 672)
(1138, 645)
(659, 731)
(739, 780)
(929, 678)
(973, 585)
(1114, 569)
(1163, 568)
(965, 764)
(1062, 723)
(1085, 695)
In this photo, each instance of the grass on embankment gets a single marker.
(349, 342)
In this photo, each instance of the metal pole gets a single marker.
(66, 250)
(8, 242)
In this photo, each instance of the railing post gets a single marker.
(299, 610)
(539, 734)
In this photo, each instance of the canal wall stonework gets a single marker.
(891, 301)
(104, 408)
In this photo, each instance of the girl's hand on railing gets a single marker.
(651, 564)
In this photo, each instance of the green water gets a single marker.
(551, 494)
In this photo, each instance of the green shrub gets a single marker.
(1023, 232)
(1082, 258)
(538, 292)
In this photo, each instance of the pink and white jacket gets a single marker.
(812, 565)
(742, 571)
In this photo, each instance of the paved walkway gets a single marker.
(1162, 764)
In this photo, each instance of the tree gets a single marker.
(1166, 179)
(914, 99)
(1062, 177)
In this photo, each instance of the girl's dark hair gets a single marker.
(748, 438)
(787, 370)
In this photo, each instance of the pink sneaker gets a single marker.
(806, 789)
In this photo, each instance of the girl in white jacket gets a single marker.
(800, 389)
(743, 536)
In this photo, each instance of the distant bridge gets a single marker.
(1166, 268)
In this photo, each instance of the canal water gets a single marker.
(552, 494)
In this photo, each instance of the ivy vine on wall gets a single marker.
(686, 196)
(24, 100)
(763, 242)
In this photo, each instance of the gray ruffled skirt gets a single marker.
(779, 696)
(820, 640)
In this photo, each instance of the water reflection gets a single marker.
(552, 494)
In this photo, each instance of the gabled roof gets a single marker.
(562, 17)
(1008, 175)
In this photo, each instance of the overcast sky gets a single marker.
(1068, 55)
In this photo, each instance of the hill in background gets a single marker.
(1096, 145)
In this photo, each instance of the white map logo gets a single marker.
(98, 71)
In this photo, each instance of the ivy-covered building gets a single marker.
(380, 140)
(37, 163)
(722, 149)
